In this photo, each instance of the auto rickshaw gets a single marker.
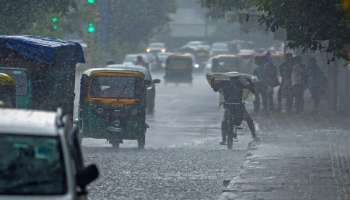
(23, 85)
(7, 91)
(112, 105)
(225, 63)
(179, 68)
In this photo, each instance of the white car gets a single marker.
(156, 47)
(41, 157)
(219, 48)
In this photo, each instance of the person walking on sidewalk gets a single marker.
(298, 81)
(317, 82)
(272, 79)
(261, 85)
(284, 90)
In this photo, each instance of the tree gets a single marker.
(308, 23)
(28, 16)
(134, 22)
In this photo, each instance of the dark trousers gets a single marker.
(296, 99)
(269, 96)
(261, 97)
(316, 97)
(229, 121)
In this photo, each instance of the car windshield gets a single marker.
(21, 80)
(113, 87)
(220, 46)
(31, 165)
(156, 45)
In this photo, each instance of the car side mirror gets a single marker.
(87, 175)
(156, 81)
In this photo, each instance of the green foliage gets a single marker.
(135, 22)
(26, 16)
(308, 22)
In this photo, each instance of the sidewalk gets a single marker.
(299, 158)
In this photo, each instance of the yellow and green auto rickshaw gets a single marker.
(179, 68)
(7, 91)
(112, 105)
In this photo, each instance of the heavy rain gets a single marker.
(175, 99)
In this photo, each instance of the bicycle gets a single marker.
(232, 122)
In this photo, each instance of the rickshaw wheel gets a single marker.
(115, 144)
(141, 141)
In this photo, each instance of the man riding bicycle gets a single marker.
(235, 111)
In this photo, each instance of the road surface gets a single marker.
(182, 159)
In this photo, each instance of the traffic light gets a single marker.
(91, 28)
(91, 1)
(55, 23)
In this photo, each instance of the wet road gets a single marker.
(182, 159)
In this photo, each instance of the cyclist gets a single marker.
(235, 111)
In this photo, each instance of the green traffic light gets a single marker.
(55, 28)
(91, 28)
(55, 19)
(91, 1)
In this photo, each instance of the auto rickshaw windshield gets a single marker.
(113, 87)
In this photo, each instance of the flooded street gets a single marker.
(182, 159)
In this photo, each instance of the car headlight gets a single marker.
(163, 50)
(148, 50)
(196, 66)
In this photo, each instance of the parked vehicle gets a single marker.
(41, 157)
(7, 91)
(113, 105)
(179, 68)
(46, 65)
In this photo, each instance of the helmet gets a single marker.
(6, 79)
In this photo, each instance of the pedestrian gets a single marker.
(317, 82)
(141, 62)
(260, 86)
(272, 80)
(285, 70)
(298, 81)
